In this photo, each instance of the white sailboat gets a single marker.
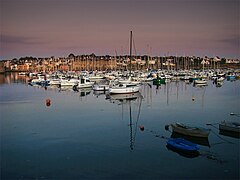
(128, 86)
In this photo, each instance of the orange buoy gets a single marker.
(48, 102)
(141, 128)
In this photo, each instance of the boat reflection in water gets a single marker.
(99, 93)
(229, 134)
(126, 99)
(123, 98)
(85, 91)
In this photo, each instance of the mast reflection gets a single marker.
(127, 99)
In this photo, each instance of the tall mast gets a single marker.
(130, 52)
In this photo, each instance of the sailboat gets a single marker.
(128, 86)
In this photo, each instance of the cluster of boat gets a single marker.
(126, 82)
(186, 139)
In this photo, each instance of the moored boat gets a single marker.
(190, 130)
(54, 82)
(84, 83)
(220, 79)
(124, 88)
(101, 86)
(200, 82)
(69, 82)
(231, 77)
(182, 144)
(230, 126)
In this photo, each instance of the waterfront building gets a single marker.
(93, 62)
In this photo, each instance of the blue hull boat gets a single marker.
(182, 145)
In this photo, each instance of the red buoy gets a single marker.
(141, 128)
(48, 102)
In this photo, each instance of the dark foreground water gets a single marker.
(84, 135)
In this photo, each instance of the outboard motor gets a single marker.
(75, 88)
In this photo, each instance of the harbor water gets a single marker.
(91, 135)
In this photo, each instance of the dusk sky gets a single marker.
(44, 28)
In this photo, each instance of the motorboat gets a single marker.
(69, 82)
(84, 83)
(122, 88)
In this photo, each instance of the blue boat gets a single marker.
(231, 77)
(182, 144)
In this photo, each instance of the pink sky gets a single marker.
(44, 28)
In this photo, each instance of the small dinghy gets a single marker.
(190, 130)
(183, 145)
(228, 128)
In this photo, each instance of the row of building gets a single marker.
(92, 62)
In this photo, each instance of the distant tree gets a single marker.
(71, 55)
(223, 61)
(92, 55)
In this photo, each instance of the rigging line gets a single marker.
(222, 138)
(213, 125)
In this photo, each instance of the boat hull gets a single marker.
(124, 90)
(84, 85)
(230, 126)
(190, 131)
(182, 145)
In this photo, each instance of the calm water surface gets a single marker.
(84, 135)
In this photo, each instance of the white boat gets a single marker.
(128, 86)
(101, 86)
(124, 88)
(220, 79)
(94, 78)
(200, 82)
(69, 82)
(54, 82)
(35, 81)
(129, 80)
(84, 83)
(22, 73)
